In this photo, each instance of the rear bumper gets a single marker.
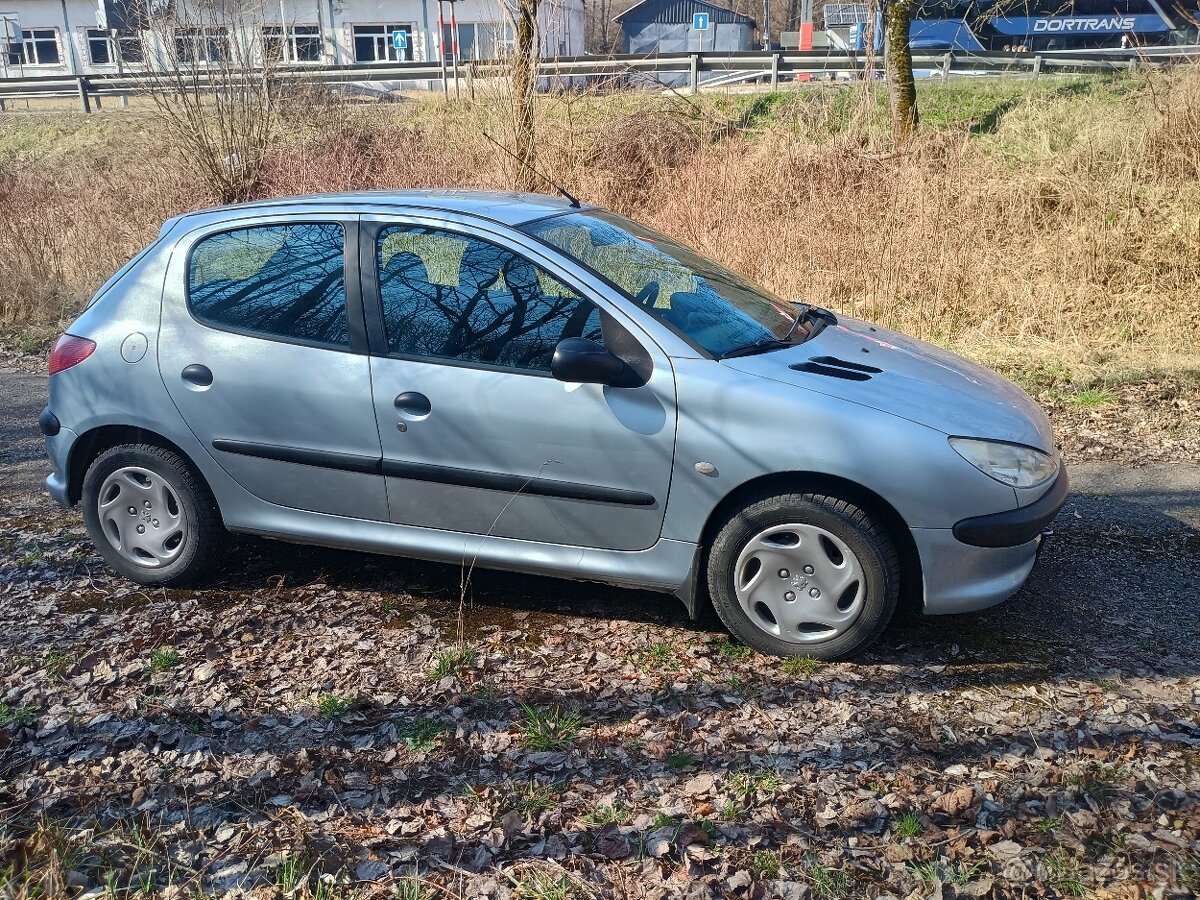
(58, 448)
(1015, 527)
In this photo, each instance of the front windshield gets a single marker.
(716, 309)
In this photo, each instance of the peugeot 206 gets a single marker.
(542, 386)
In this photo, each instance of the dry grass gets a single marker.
(1053, 224)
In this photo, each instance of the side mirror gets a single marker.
(586, 362)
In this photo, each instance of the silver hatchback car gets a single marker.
(524, 383)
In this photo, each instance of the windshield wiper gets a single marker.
(757, 347)
(814, 319)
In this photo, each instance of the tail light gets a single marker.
(69, 351)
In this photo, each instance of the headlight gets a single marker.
(1010, 464)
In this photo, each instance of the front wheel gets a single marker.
(804, 575)
(150, 515)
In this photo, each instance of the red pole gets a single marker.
(454, 32)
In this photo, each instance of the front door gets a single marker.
(263, 351)
(476, 435)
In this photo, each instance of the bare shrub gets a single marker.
(624, 158)
(1173, 141)
(214, 91)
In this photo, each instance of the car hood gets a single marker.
(891, 372)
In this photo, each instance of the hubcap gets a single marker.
(142, 517)
(799, 583)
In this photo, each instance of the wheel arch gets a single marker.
(92, 443)
(695, 596)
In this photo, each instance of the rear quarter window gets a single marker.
(277, 281)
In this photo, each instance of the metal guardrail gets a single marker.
(772, 66)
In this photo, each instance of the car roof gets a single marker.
(508, 208)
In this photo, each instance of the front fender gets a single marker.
(746, 427)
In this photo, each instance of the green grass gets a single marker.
(732, 650)
(925, 872)
(164, 660)
(1064, 875)
(729, 811)
(534, 798)
(539, 884)
(826, 883)
(413, 888)
(1088, 398)
(289, 873)
(16, 715)
(680, 761)
(908, 825)
(1047, 825)
(755, 781)
(766, 864)
(607, 814)
(451, 662)
(549, 729)
(421, 735)
(1189, 874)
(56, 663)
(658, 656)
(958, 874)
(800, 665)
(663, 820)
(330, 706)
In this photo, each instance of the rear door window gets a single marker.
(278, 281)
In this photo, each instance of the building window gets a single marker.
(202, 45)
(103, 47)
(478, 40)
(36, 47)
(373, 43)
(292, 44)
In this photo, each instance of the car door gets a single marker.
(477, 436)
(263, 350)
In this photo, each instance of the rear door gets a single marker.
(263, 350)
(477, 436)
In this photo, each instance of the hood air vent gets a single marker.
(832, 367)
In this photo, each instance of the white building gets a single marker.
(68, 37)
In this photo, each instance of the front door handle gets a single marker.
(196, 374)
(413, 405)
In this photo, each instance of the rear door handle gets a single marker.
(196, 374)
(413, 405)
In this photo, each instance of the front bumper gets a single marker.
(1016, 526)
(984, 560)
(959, 578)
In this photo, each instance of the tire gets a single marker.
(151, 515)
(770, 560)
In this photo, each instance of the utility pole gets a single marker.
(766, 24)
(70, 40)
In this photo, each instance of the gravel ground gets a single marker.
(312, 725)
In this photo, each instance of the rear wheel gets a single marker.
(150, 515)
(804, 575)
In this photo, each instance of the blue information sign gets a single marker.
(400, 40)
(699, 21)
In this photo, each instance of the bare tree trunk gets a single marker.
(902, 88)
(524, 86)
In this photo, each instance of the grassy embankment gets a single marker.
(1050, 228)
